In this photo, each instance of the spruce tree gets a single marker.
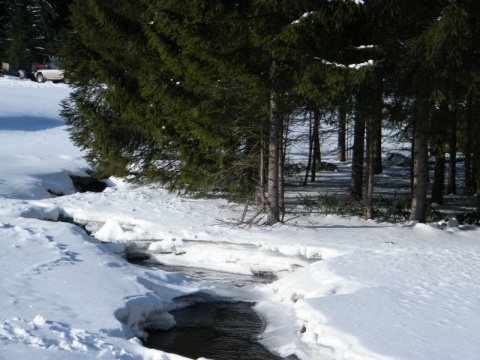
(173, 109)
(222, 73)
(102, 55)
(216, 93)
(28, 29)
(19, 44)
(444, 48)
(197, 95)
(3, 27)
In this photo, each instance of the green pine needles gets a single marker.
(198, 95)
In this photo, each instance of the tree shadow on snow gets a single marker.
(330, 226)
(29, 123)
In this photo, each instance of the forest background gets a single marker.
(199, 95)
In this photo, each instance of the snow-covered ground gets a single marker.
(346, 288)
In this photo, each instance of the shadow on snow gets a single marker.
(29, 123)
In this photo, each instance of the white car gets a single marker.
(49, 72)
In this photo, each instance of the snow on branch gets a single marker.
(359, 2)
(361, 47)
(307, 14)
(350, 66)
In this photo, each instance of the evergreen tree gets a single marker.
(102, 56)
(3, 28)
(342, 130)
(198, 95)
(29, 29)
(326, 45)
(19, 44)
(223, 73)
(218, 93)
(444, 49)
(177, 109)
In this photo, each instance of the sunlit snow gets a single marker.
(346, 288)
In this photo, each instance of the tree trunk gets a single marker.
(273, 199)
(368, 200)
(452, 162)
(439, 136)
(342, 132)
(438, 178)
(469, 178)
(377, 139)
(317, 157)
(476, 151)
(476, 165)
(281, 163)
(418, 210)
(262, 177)
(477, 178)
(357, 157)
(377, 114)
(412, 156)
(468, 172)
(310, 149)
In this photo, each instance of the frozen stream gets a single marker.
(210, 275)
(217, 330)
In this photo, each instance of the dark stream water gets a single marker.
(216, 330)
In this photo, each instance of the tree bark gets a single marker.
(356, 181)
(452, 162)
(412, 156)
(262, 178)
(438, 178)
(377, 114)
(439, 137)
(477, 178)
(469, 177)
(368, 199)
(418, 210)
(317, 157)
(476, 151)
(377, 159)
(274, 147)
(281, 163)
(342, 132)
(310, 149)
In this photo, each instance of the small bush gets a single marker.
(385, 210)
(331, 204)
(392, 211)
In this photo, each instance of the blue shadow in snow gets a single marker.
(29, 123)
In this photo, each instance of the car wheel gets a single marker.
(40, 78)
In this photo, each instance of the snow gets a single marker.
(346, 288)
(351, 66)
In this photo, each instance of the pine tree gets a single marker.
(342, 130)
(3, 27)
(48, 19)
(18, 45)
(218, 94)
(29, 29)
(438, 139)
(444, 48)
(174, 109)
(356, 181)
(198, 95)
(102, 55)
